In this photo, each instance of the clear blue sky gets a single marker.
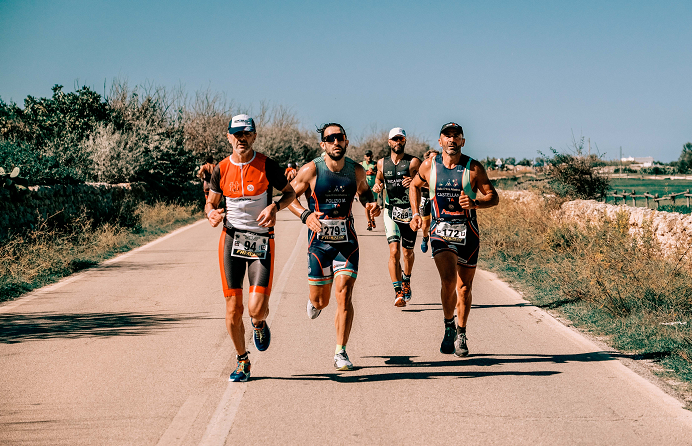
(519, 76)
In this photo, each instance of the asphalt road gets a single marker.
(135, 352)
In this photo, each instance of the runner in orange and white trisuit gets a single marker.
(453, 180)
(246, 179)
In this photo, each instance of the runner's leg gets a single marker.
(463, 290)
(234, 321)
(446, 262)
(343, 292)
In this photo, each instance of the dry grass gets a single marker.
(46, 254)
(611, 282)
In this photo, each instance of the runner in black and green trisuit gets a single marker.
(394, 174)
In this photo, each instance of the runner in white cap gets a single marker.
(394, 174)
(246, 180)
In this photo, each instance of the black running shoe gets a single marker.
(447, 346)
(262, 336)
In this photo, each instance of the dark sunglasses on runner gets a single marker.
(334, 137)
(399, 138)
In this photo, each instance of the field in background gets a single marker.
(44, 255)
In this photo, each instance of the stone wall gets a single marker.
(672, 230)
(24, 208)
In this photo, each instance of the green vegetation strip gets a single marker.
(44, 255)
(604, 280)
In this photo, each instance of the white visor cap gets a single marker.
(397, 131)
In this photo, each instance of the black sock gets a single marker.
(405, 278)
(243, 357)
(461, 329)
(449, 322)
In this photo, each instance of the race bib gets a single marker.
(452, 232)
(247, 245)
(401, 215)
(333, 231)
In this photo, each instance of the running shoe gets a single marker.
(242, 372)
(460, 347)
(341, 361)
(399, 300)
(312, 311)
(262, 336)
(369, 226)
(447, 346)
(406, 289)
(424, 244)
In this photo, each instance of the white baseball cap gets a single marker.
(241, 123)
(397, 131)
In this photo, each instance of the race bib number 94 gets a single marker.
(401, 215)
(250, 246)
(452, 232)
(333, 231)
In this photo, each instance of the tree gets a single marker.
(685, 161)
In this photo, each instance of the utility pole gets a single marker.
(589, 147)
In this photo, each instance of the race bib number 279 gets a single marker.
(333, 231)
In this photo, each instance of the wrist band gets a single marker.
(415, 214)
(212, 210)
(304, 216)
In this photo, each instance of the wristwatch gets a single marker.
(476, 203)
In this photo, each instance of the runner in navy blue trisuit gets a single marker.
(453, 180)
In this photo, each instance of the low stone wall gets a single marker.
(24, 208)
(672, 230)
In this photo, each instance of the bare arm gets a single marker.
(267, 218)
(414, 194)
(412, 170)
(480, 182)
(210, 208)
(379, 178)
(305, 179)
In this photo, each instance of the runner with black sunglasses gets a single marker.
(333, 181)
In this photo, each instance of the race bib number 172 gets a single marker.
(452, 232)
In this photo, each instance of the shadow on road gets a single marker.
(404, 367)
(430, 307)
(25, 327)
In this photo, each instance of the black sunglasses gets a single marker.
(334, 137)
(399, 138)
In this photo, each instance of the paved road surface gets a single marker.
(135, 352)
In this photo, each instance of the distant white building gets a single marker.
(645, 161)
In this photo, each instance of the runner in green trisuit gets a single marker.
(394, 175)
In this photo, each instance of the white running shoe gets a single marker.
(312, 311)
(341, 361)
